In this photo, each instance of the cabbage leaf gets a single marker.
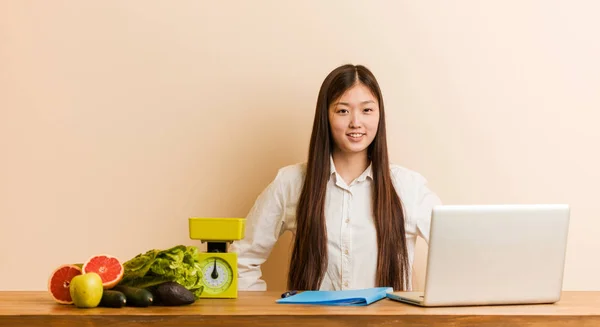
(178, 264)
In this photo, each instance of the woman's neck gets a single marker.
(350, 165)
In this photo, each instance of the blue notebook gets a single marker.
(358, 297)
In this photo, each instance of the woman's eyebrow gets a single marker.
(347, 104)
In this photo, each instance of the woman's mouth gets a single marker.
(355, 136)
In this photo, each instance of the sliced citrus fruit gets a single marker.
(108, 267)
(59, 281)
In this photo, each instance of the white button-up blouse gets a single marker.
(351, 234)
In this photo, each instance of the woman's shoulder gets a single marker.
(292, 173)
(413, 189)
(296, 171)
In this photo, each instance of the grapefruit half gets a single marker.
(59, 281)
(108, 267)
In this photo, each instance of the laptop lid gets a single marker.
(496, 254)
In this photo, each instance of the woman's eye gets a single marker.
(342, 111)
(368, 109)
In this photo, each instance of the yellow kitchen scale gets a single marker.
(218, 267)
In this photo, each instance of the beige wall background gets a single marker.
(119, 120)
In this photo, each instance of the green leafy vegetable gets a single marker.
(178, 264)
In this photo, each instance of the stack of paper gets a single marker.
(358, 297)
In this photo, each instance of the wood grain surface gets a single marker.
(260, 309)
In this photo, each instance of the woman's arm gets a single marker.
(425, 200)
(264, 225)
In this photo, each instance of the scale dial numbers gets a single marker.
(217, 275)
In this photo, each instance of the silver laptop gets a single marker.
(493, 255)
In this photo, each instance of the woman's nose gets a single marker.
(355, 120)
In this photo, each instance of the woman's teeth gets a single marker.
(356, 134)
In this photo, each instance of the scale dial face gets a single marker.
(217, 275)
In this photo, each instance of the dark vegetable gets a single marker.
(172, 294)
(136, 297)
(113, 299)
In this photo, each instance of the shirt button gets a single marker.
(346, 284)
(346, 251)
(347, 220)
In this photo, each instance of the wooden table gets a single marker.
(259, 309)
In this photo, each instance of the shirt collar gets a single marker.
(367, 173)
(331, 166)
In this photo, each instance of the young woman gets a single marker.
(355, 216)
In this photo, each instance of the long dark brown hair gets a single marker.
(309, 256)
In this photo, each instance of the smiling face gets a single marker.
(353, 119)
